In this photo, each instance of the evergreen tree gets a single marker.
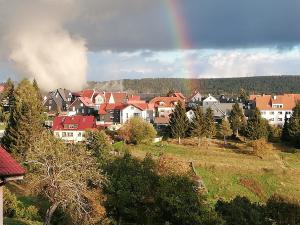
(26, 121)
(257, 127)
(7, 99)
(198, 124)
(179, 122)
(37, 89)
(294, 126)
(285, 135)
(236, 117)
(225, 129)
(210, 126)
(244, 95)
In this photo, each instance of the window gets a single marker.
(280, 113)
(64, 134)
(70, 134)
(126, 115)
(49, 107)
(56, 134)
(132, 108)
(280, 119)
(79, 134)
(136, 114)
(271, 113)
(73, 126)
(81, 104)
(271, 119)
(82, 111)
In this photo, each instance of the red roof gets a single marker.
(86, 101)
(161, 120)
(119, 97)
(82, 122)
(8, 166)
(110, 106)
(89, 93)
(166, 101)
(265, 102)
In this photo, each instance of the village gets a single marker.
(71, 113)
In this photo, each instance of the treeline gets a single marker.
(229, 86)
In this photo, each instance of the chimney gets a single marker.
(275, 97)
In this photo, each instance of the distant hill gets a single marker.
(216, 86)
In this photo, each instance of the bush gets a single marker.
(260, 148)
(137, 131)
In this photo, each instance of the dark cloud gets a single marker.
(144, 24)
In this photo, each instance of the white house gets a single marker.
(275, 108)
(136, 110)
(72, 128)
(209, 101)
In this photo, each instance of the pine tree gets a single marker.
(198, 124)
(285, 135)
(225, 129)
(26, 121)
(257, 127)
(294, 126)
(7, 97)
(210, 126)
(179, 122)
(236, 117)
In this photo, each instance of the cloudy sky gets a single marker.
(165, 38)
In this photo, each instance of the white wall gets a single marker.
(130, 112)
(78, 136)
(275, 117)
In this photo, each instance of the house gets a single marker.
(164, 106)
(57, 101)
(190, 114)
(209, 101)
(275, 108)
(72, 128)
(82, 106)
(142, 110)
(195, 99)
(9, 170)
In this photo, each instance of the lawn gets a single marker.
(228, 172)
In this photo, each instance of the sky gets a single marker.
(157, 38)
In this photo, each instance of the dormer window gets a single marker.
(277, 106)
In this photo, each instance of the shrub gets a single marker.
(260, 148)
(137, 131)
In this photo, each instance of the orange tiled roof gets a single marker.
(168, 101)
(265, 102)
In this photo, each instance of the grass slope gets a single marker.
(228, 172)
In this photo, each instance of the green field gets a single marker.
(228, 172)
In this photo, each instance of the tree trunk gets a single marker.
(179, 140)
(49, 213)
(225, 142)
(199, 141)
(237, 132)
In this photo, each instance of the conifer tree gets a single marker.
(294, 126)
(210, 126)
(236, 117)
(198, 124)
(257, 127)
(179, 122)
(225, 129)
(26, 120)
(285, 135)
(7, 96)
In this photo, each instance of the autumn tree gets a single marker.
(236, 118)
(64, 175)
(225, 129)
(179, 123)
(25, 123)
(137, 131)
(210, 126)
(198, 124)
(257, 127)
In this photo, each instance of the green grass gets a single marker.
(223, 168)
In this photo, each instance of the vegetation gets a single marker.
(198, 125)
(210, 126)
(137, 131)
(293, 127)
(25, 122)
(179, 123)
(225, 130)
(216, 86)
(236, 119)
(257, 127)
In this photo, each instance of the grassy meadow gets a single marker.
(231, 171)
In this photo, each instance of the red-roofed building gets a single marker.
(9, 170)
(275, 108)
(164, 106)
(72, 128)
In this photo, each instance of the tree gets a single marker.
(63, 174)
(294, 126)
(285, 135)
(98, 144)
(137, 131)
(25, 123)
(244, 95)
(225, 129)
(198, 124)
(132, 184)
(210, 126)
(257, 127)
(179, 123)
(236, 117)
(7, 98)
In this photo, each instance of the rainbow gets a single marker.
(181, 35)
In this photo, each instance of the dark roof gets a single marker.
(8, 166)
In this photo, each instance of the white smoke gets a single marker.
(40, 47)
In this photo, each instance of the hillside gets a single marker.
(231, 86)
(229, 172)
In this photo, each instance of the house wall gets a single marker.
(131, 111)
(78, 108)
(276, 117)
(99, 99)
(164, 111)
(70, 135)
